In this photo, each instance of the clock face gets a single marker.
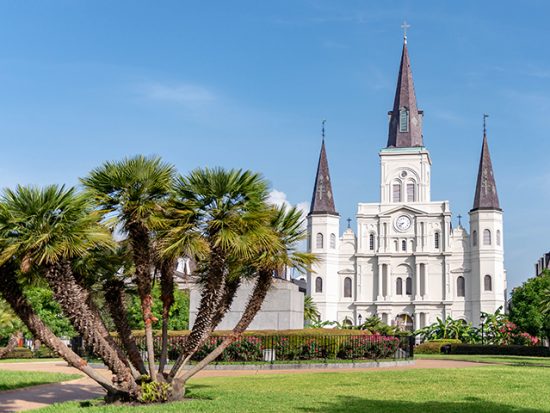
(403, 223)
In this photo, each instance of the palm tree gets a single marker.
(288, 228)
(44, 231)
(311, 313)
(132, 194)
(221, 218)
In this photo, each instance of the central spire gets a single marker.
(405, 119)
(322, 201)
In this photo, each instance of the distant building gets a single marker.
(542, 264)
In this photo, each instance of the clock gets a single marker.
(403, 223)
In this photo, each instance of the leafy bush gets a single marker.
(363, 347)
(44, 352)
(512, 350)
(434, 346)
(19, 353)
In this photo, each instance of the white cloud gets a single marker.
(279, 198)
(183, 93)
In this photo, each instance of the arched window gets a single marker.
(486, 237)
(460, 287)
(399, 286)
(396, 190)
(347, 287)
(371, 242)
(332, 241)
(318, 285)
(409, 286)
(403, 245)
(436, 240)
(474, 238)
(410, 192)
(319, 240)
(498, 236)
(488, 283)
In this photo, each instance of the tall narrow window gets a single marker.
(409, 286)
(319, 240)
(403, 245)
(396, 192)
(486, 237)
(399, 286)
(474, 238)
(371, 242)
(318, 285)
(403, 120)
(488, 283)
(332, 241)
(436, 240)
(460, 287)
(498, 236)
(410, 192)
(347, 287)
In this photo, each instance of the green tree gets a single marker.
(311, 313)
(527, 306)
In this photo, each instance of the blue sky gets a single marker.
(246, 84)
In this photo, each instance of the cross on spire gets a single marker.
(459, 220)
(349, 222)
(485, 116)
(405, 26)
(323, 129)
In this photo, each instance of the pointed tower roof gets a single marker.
(405, 119)
(486, 196)
(322, 201)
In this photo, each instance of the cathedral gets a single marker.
(406, 263)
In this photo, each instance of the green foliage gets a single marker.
(527, 307)
(154, 392)
(449, 329)
(19, 353)
(311, 313)
(375, 325)
(179, 313)
(515, 350)
(49, 311)
(434, 346)
(9, 323)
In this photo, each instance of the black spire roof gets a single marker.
(486, 196)
(322, 201)
(405, 119)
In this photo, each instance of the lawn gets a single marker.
(15, 379)
(487, 389)
(510, 360)
(37, 360)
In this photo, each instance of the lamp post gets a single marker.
(359, 318)
(482, 318)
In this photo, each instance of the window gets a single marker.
(403, 245)
(396, 192)
(403, 120)
(399, 286)
(332, 241)
(474, 238)
(498, 236)
(488, 283)
(410, 192)
(347, 287)
(460, 287)
(486, 237)
(436, 240)
(319, 240)
(318, 285)
(409, 286)
(371, 242)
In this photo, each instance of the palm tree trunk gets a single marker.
(114, 297)
(11, 291)
(255, 301)
(141, 249)
(167, 270)
(73, 298)
(12, 343)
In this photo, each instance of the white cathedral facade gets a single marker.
(405, 262)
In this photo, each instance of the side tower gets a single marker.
(323, 237)
(488, 281)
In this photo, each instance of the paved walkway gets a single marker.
(84, 388)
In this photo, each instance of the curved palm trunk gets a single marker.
(114, 297)
(11, 291)
(12, 343)
(167, 270)
(255, 301)
(142, 260)
(73, 300)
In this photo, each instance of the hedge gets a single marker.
(264, 333)
(434, 346)
(19, 353)
(512, 350)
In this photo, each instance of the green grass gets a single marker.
(509, 360)
(487, 389)
(15, 379)
(29, 360)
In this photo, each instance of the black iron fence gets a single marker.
(272, 348)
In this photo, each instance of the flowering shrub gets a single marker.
(369, 347)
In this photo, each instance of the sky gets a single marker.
(246, 84)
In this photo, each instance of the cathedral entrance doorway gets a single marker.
(404, 322)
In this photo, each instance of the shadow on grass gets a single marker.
(468, 405)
